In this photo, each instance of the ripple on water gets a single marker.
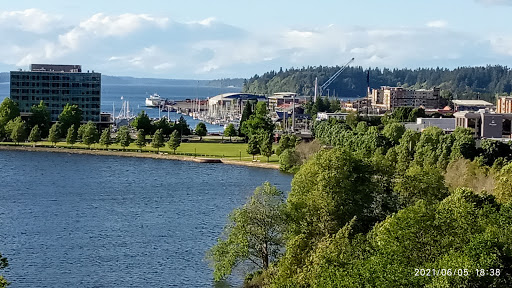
(96, 221)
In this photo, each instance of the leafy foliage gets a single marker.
(105, 138)
(17, 130)
(200, 130)
(40, 117)
(174, 141)
(90, 134)
(8, 111)
(72, 135)
(142, 122)
(123, 136)
(53, 135)
(158, 140)
(230, 131)
(35, 134)
(141, 139)
(71, 115)
(254, 233)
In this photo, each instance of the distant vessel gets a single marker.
(155, 100)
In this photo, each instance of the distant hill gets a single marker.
(126, 80)
(460, 83)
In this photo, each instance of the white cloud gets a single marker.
(147, 46)
(437, 24)
(29, 20)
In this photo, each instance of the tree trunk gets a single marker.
(264, 256)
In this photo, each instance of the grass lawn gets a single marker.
(231, 151)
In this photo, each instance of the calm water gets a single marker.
(136, 94)
(96, 221)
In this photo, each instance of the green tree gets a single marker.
(8, 111)
(143, 122)
(105, 138)
(246, 114)
(287, 141)
(40, 117)
(230, 131)
(393, 132)
(17, 130)
(421, 184)
(141, 139)
(503, 189)
(164, 125)
(72, 135)
(35, 135)
(90, 134)
(174, 141)
(71, 115)
(254, 233)
(265, 143)
(289, 160)
(53, 135)
(123, 137)
(158, 140)
(352, 119)
(253, 146)
(200, 130)
(3, 264)
(259, 122)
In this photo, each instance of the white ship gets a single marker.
(155, 100)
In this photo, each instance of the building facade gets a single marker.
(387, 98)
(57, 85)
(504, 104)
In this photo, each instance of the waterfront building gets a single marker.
(57, 85)
(471, 105)
(387, 98)
(504, 104)
(229, 106)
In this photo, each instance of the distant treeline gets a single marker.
(464, 82)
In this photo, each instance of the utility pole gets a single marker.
(293, 113)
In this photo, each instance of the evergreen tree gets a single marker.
(72, 135)
(40, 117)
(158, 140)
(123, 137)
(246, 114)
(90, 135)
(143, 122)
(53, 135)
(174, 141)
(105, 139)
(35, 135)
(253, 146)
(141, 139)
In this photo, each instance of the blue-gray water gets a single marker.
(100, 221)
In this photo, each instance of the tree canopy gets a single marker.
(71, 115)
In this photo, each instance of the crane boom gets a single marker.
(333, 77)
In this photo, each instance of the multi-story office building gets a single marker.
(504, 104)
(57, 85)
(387, 98)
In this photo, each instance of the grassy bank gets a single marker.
(232, 152)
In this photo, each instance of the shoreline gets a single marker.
(140, 155)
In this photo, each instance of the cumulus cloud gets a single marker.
(147, 46)
(29, 20)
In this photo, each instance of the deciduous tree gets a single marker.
(72, 135)
(123, 137)
(35, 135)
(71, 115)
(230, 131)
(200, 130)
(53, 135)
(254, 233)
(141, 139)
(105, 138)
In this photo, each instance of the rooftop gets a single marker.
(472, 103)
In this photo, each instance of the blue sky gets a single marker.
(214, 39)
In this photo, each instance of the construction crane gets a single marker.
(333, 77)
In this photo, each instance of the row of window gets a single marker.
(56, 85)
(55, 77)
(54, 92)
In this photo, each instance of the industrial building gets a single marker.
(447, 124)
(229, 106)
(57, 85)
(387, 98)
(282, 100)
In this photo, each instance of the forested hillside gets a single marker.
(464, 82)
